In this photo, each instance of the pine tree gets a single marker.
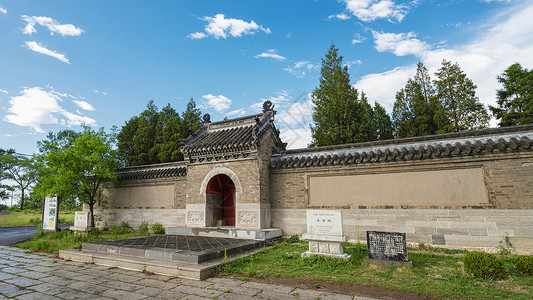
(515, 98)
(457, 93)
(339, 116)
(417, 111)
(382, 123)
(153, 136)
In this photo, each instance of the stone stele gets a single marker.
(325, 234)
(81, 221)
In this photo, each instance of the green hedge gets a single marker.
(483, 265)
(524, 264)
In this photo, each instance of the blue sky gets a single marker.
(63, 63)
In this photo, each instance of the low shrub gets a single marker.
(483, 265)
(157, 228)
(524, 264)
(143, 229)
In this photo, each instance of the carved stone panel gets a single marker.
(247, 217)
(386, 245)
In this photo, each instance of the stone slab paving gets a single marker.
(26, 275)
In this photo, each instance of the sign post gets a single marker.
(50, 213)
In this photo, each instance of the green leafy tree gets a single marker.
(54, 143)
(457, 93)
(82, 168)
(22, 171)
(339, 116)
(515, 98)
(4, 174)
(417, 111)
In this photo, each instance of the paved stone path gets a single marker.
(34, 276)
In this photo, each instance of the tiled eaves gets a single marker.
(447, 145)
(153, 171)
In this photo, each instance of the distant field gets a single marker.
(32, 217)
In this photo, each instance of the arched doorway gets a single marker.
(220, 193)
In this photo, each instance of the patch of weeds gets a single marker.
(157, 228)
(227, 291)
(123, 228)
(143, 229)
(244, 279)
(505, 247)
(251, 273)
(316, 286)
(295, 294)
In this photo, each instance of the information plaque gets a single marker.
(50, 214)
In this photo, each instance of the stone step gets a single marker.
(266, 234)
(180, 269)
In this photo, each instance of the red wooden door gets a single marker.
(228, 204)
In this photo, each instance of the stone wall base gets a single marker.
(479, 229)
(134, 217)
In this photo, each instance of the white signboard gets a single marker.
(50, 214)
(324, 222)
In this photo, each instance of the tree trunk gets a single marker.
(21, 199)
(91, 213)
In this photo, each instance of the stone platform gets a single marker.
(184, 256)
(266, 234)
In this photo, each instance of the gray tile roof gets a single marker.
(518, 138)
(231, 138)
(167, 170)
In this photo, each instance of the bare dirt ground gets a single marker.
(347, 289)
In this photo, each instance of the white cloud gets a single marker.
(219, 103)
(349, 64)
(499, 44)
(300, 69)
(52, 25)
(357, 38)
(100, 92)
(35, 107)
(297, 137)
(76, 119)
(3, 10)
(382, 87)
(370, 10)
(271, 54)
(297, 114)
(197, 35)
(238, 112)
(34, 46)
(341, 16)
(293, 117)
(84, 105)
(3, 91)
(400, 44)
(282, 98)
(220, 27)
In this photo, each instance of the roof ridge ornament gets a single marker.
(268, 106)
(206, 119)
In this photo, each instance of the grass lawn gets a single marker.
(55, 241)
(434, 274)
(32, 217)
